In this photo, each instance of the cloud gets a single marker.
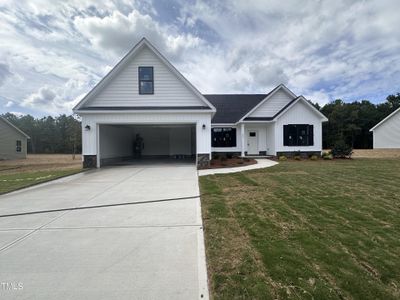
(4, 73)
(9, 104)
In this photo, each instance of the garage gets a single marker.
(132, 143)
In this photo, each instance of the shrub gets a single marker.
(341, 150)
(324, 154)
(327, 157)
(297, 157)
(314, 157)
(215, 156)
(282, 158)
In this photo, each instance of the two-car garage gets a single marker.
(133, 142)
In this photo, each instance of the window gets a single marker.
(18, 146)
(146, 80)
(252, 133)
(223, 137)
(298, 135)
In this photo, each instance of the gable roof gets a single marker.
(14, 127)
(385, 119)
(232, 107)
(305, 101)
(125, 60)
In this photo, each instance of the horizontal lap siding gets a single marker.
(8, 142)
(387, 135)
(122, 90)
(273, 105)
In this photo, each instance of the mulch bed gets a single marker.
(231, 162)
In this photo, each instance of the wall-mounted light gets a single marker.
(87, 127)
(204, 126)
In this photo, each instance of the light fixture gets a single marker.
(87, 127)
(204, 126)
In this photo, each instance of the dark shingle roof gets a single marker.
(232, 107)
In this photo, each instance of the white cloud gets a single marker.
(9, 104)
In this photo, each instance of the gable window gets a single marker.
(146, 80)
(223, 137)
(298, 135)
(18, 146)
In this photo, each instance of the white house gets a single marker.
(145, 95)
(386, 134)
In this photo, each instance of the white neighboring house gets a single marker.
(145, 95)
(386, 134)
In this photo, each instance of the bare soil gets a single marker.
(41, 162)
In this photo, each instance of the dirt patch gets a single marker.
(376, 153)
(40, 162)
(231, 162)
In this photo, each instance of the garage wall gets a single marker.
(203, 136)
(115, 141)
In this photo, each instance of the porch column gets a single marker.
(242, 137)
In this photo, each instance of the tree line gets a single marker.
(348, 122)
(60, 134)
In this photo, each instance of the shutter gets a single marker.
(285, 135)
(310, 135)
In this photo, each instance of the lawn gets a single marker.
(305, 230)
(38, 168)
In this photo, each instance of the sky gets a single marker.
(54, 51)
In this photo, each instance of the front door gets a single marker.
(252, 142)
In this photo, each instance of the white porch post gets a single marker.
(242, 137)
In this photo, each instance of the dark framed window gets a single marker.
(18, 146)
(223, 137)
(298, 135)
(146, 80)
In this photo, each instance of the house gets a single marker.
(144, 98)
(386, 134)
(13, 141)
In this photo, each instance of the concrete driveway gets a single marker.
(151, 250)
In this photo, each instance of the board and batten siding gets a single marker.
(123, 89)
(387, 135)
(8, 142)
(299, 113)
(273, 105)
(90, 137)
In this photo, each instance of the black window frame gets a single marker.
(298, 135)
(18, 146)
(141, 92)
(223, 137)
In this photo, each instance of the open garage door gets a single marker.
(130, 143)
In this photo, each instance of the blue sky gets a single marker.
(53, 52)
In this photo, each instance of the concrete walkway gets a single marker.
(152, 250)
(261, 163)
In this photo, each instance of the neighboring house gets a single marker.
(13, 141)
(386, 134)
(145, 95)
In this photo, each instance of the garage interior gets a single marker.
(160, 142)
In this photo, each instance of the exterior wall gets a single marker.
(387, 135)
(90, 137)
(115, 142)
(273, 105)
(123, 89)
(299, 114)
(264, 142)
(271, 139)
(8, 142)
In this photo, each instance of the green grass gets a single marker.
(12, 182)
(305, 230)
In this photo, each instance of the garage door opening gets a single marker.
(118, 144)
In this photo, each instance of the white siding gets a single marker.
(387, 135)
(90, 138)
(271, 139)
(299, 113)
(261, 133)
(273, 105)
(123, 89)
(8, 142)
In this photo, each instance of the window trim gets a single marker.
(18, 148)
(140, 80)
(310, 135)
(234, 136)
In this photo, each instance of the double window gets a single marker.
(223, 137)
(146, 80)
(18, 146)
(298, 135)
